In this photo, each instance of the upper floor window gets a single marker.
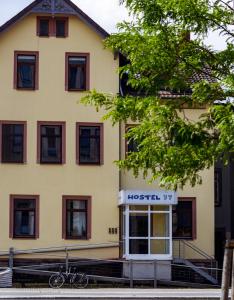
(51, 142)
(77, 71)
(43, 26)
(13, 142)
(24, 214)
(26, 70)
(218, 186)
(131, 144)
(89, 143)
(47, 26)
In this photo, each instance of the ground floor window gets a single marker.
(24, 216)
(146, 231)
(184, 219)
(76, 217)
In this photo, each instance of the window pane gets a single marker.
(24, 218)
(77, 73)
(132, 145)
(89, 144)
(138, 207)
(44, 27)
(138, 225)
(159, 225)
(21, 204)
(159, 247)
(51, 144)
(12, 143)
(60, 28)
(74, 204)
(26, 65)
(138, 246)
(182, 219)
(159, 207)
(76, 224)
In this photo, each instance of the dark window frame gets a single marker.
(65, 19)
(193, 200)
(36, 74)
(87, 71)
(89, 124)
(12, 216)
(65, 199)
(52, 26)
(24, 123)
(63, 146)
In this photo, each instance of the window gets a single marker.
(13, 142)
(89, 143)
(218, 181)
(131, 144)
(24, 216)
(146, 231)
(51, 142)
(184, 219)
(77, 71)
(47, 26)
(26, 70)
(43, 26)
(76, 217)
(61, 25)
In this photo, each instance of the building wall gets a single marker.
(204, 194)
(52, 103)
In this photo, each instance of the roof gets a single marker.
(55, 7)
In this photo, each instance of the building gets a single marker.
(224, 193)
(59, 186)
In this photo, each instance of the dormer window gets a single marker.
(44, 27)
(48, 26)
(61, 27)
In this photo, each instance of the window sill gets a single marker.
(14, 162)
(24, 238)
(52, 163)
(26, 89)
(77, 238)
(69, 90)
(90, 164)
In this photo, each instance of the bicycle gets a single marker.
(78, 280)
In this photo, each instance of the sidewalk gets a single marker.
(110, 294)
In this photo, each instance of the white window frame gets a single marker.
(126, 214)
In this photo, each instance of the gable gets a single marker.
(55, 7)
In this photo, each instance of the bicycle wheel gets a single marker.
(80, 280)
(56, 281)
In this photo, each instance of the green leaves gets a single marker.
(173, 146)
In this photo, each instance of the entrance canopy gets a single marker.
(143, 197)
(146, 224)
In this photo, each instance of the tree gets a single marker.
(161, 56)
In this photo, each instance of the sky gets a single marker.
(107, 13)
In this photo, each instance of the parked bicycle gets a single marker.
(76, 279)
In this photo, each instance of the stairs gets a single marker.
(196, 269)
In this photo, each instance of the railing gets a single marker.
(180, 249)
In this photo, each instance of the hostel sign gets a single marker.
(147, 197)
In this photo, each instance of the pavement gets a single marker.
(113, 294)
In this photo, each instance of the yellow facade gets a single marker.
(52, 103)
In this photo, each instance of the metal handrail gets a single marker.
(196, 249)
(60, 249)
